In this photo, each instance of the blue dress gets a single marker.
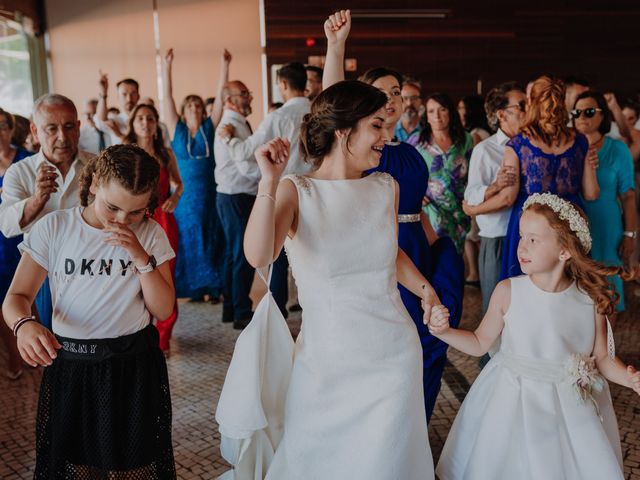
(440, 263)
(200, 251)
(541, 172)
(615, 177)
(9, 254)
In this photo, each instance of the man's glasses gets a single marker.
(244, 94)
(588, 112)
(521, 105)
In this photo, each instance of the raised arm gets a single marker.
(169, 111)
(618, 117)
(275, 210)
(336, 29)
(102, 109)
(506, 197)
(216, 112)
(478, 342)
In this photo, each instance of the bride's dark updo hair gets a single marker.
(339, 107)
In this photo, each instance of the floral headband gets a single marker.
(567, 212)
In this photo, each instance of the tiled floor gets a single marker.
(200, 353)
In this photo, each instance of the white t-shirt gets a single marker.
(94, 291)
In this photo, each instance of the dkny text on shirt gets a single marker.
(86, 266)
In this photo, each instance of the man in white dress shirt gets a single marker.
(283, 122)
(92, 139)
(128, 97)
(47, 181)
(237, 184)
(505, 106)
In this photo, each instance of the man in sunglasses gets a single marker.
(505, 106)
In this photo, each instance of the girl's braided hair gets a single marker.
(128, 165)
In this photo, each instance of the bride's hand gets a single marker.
(429, 300)
(272, 158)
(337, 27)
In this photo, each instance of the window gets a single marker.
(16, 90)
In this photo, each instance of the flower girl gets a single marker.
(541, 408)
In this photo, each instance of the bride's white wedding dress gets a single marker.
(354, 408)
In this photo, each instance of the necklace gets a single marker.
(598, 144)
(206, 145)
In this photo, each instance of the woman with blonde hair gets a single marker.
(548, 157)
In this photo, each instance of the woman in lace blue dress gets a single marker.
(548, 157)
(200, 253)
(436, 258)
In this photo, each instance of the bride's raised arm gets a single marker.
(336, 29)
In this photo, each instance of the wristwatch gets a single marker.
(149, 267)
(630, 234)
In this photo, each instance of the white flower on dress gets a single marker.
(584, 377)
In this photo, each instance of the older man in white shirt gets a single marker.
(47, 181)
(505, 107)
(237, 184)
(284, 122)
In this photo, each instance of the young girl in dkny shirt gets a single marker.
(104, 409)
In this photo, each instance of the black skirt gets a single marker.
(105, 411)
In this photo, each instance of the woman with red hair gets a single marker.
(548, 157)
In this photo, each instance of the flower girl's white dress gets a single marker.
(524, 418)
(353, 407)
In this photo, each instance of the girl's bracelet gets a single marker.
(21, 321)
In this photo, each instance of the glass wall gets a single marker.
(16, 89)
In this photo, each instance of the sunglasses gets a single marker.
(521, 105)
(243, 94)
(588, 112)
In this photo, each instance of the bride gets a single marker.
(354, 407)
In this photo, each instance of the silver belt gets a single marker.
(409, 218)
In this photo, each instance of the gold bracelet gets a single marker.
(270, 197)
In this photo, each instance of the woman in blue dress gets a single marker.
(9, 254)
(548, 156)
(200, 250)
(436, 258)
(612, 217)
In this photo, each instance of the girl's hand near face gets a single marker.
(36, 344)
(123, 236)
